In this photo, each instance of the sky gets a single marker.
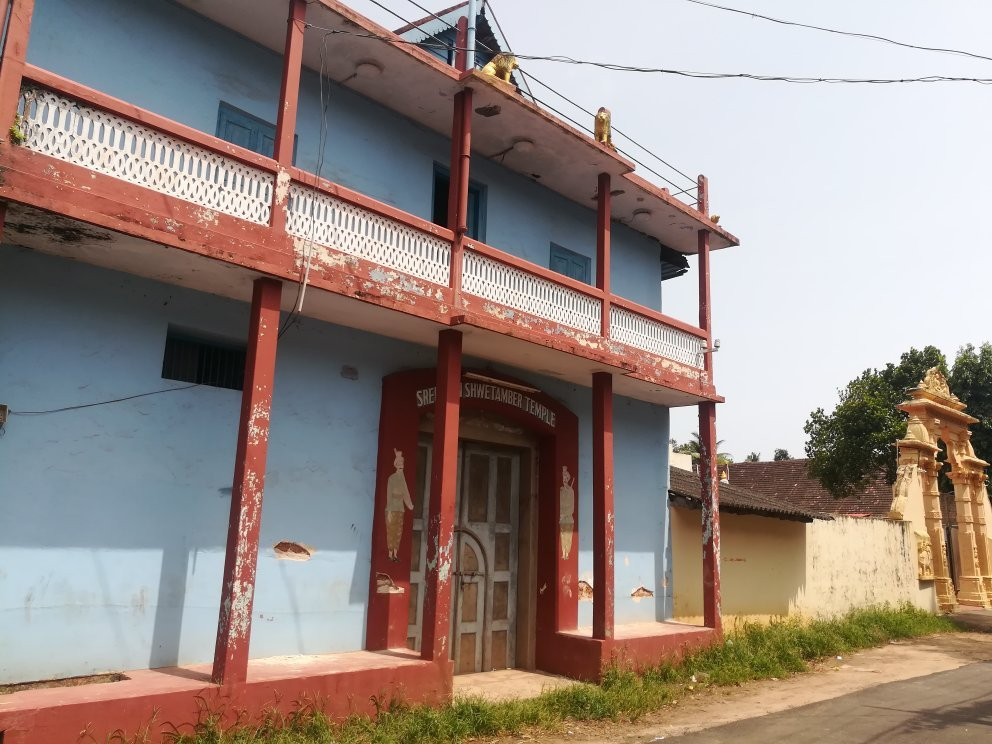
(860, 209)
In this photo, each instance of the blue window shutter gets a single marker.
(243, 129)
(571, 264)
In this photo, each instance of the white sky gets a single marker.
(861, 209)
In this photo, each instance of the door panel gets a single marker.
(484, 589)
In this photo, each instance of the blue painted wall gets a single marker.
(165, 58)
(115, 516)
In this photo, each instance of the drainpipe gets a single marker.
(473, 11)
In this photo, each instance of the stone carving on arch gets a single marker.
(937, 416)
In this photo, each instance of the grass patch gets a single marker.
(750, 652)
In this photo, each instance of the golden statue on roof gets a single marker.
(501, 66)
(603, 128)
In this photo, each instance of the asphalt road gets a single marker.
(944, 708)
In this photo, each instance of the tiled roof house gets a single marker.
(788, 481)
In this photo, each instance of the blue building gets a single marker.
(417, 316)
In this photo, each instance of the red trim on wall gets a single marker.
(234, 623)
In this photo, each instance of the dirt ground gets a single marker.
(708, 707)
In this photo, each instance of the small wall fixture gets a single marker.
(641, 215)
(523, 146)
(368, 69)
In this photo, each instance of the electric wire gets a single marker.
(680, 189)
(698, 74)
(103, 402)
(308, 246)
(855, 34)
(523, 75)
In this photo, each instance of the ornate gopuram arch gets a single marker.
(936, 415)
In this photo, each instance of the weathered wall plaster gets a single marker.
(112, 541)
(773, 567)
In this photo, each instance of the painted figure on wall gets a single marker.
(566, 514)
(397, 502)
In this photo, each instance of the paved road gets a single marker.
(946, 708)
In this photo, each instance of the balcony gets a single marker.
(94, 159)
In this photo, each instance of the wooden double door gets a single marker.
(484, 583)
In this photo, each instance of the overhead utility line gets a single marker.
(616, 67)
(855, 34)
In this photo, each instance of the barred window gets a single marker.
(203, 360)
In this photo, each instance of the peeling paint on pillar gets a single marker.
(238, 589)
(441, 508)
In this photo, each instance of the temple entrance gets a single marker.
(514, 524)
(937, 416)
(494, 556)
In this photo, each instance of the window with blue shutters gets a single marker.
(570, 263)
(241, 128)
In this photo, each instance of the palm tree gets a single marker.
(695, 446)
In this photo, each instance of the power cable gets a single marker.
(616, 67)
(855, 34)
(524, 76)
(103, 402)
(308, 246)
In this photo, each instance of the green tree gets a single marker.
(782, 454)
(694, 447)
(847, 447)
(971, 381)
(753, 457)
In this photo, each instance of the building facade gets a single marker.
(418, 317)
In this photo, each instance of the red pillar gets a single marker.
(289, 95)
(461, 156)
(461, 152)
(15, 48)
(441, 512)
(603, 247)
(234, 624)
(708, 474)
(602, 505)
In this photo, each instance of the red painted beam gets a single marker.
(602, 506)
(441, 511)
(15, 49)
(603, 247)
(234, 623)
(289, 96)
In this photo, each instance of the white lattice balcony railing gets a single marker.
(529, 293)
(653, 336)
(345, 227)
(104, 142)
